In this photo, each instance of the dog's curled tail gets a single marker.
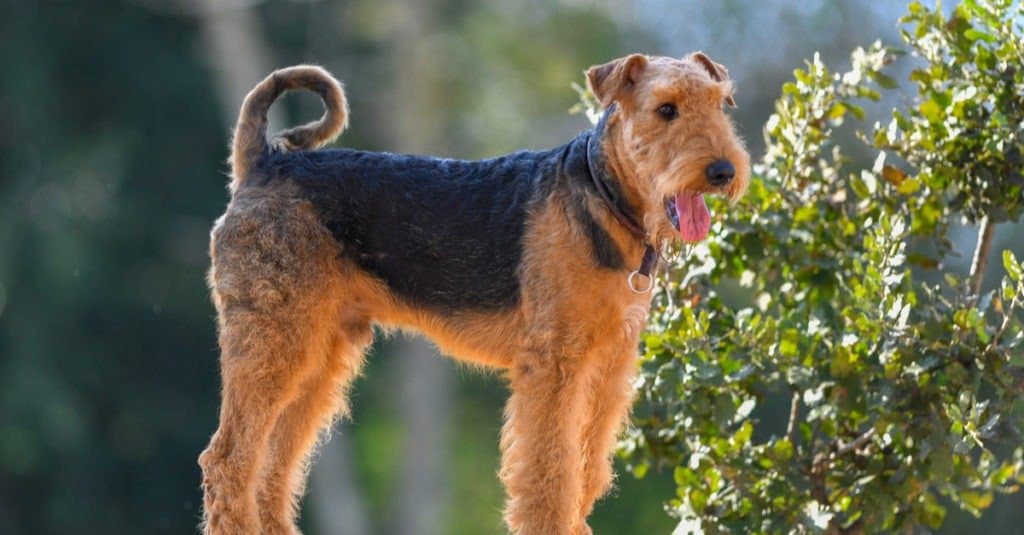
(250, 140)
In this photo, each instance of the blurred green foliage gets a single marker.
(903, 396)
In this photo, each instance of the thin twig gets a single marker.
(794, 412)
(856, 443)
(985, 233)
(1007, 316)
(823, 460)
(838, 449)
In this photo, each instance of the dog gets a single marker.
(538, 263)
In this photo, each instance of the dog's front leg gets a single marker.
(541, 446)
(609, 398)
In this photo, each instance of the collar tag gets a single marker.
(646, 270)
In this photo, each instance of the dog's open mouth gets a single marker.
(689, 215)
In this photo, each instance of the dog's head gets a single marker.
(669, 139)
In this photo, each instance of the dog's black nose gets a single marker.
(720, 173)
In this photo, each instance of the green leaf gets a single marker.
(856, 110)
(743, 434)
(975, 35)
(683, 476)
(1009, 292)
(806, 213)
(884, 81)
(1013, 268)
(789, 345)
(909, 186)
(640, 470)
(933, 512)
(978, 501)
(1003, 474)
(932, 111)
(782, 450)
(837, 111)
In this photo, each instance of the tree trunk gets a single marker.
(425, 379)
(425, 402)
(238, 56)
(338, 506)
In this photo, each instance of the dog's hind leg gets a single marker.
(275, 284)
(264, 359)
(322, 397)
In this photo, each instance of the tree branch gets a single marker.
(985, 233)
(856, 443)
(794, 412)
(821, 462)
(1007, 316)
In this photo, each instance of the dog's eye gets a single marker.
(668, 111)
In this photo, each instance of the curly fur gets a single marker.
(514, 263)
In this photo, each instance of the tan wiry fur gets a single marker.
(294, 317)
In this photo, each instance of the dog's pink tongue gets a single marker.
(694, 217)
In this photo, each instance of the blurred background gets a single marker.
(115, 121)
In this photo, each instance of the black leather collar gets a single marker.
(608, 190)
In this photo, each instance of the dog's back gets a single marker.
(440, 233)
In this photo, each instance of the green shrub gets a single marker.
(823, 295)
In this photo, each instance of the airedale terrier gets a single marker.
(537, 263)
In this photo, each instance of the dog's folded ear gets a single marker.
(716, 70)
(611, 81)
